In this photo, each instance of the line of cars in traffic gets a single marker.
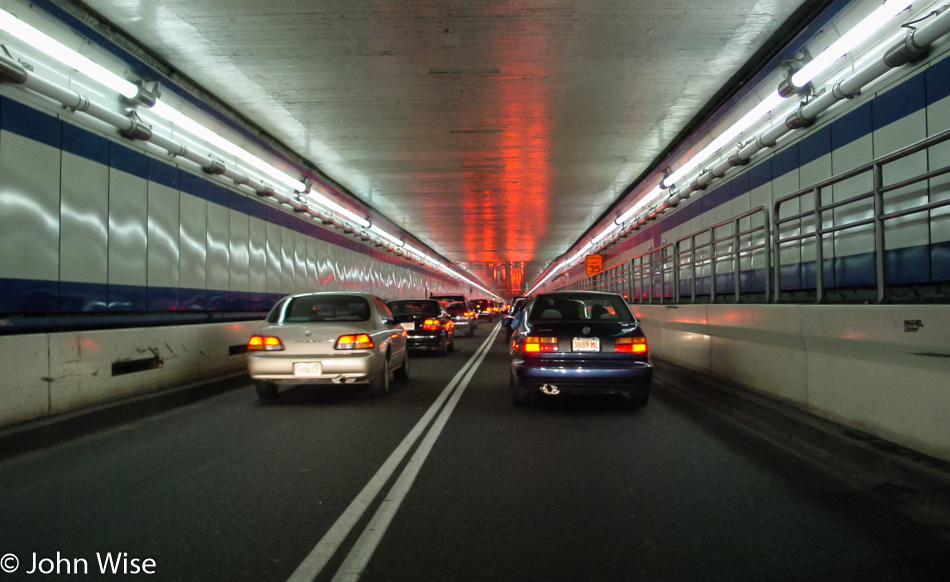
(577, 342)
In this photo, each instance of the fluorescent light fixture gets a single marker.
(747, 120)
(386, 235)
(69, 57)
(868, 26)
(550, 274)
(100, 74)
(188, 124)
(414, 251)
(606, 232)
(331, 205)
(66, 55)
(647, 199)
(871, 24)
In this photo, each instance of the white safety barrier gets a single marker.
(883, 370)
(51, 373)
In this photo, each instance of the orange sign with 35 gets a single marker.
(595, 264)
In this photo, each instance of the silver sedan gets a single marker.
(328, 338)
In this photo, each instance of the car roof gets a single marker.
(591, 293)
(319, 293)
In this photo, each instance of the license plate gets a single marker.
(585, 344)
(408, 326)
(307, 369)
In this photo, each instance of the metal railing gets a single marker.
(728, 242)
(815, 217)
(740, 259)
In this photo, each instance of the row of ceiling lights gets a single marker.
(151, 112)
(668, 193)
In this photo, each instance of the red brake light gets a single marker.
(264, 343)
(535, 345)
(630, 345)
(469, 314)
(431, 325)
(354, 342)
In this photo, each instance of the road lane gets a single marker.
(227, 488)
(230, 489)
(367, 542)
(596, 490)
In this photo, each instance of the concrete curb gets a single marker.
(36, 434)
(918, 483)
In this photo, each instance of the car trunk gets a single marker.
(312, 340)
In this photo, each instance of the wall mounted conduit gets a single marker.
(915, 44)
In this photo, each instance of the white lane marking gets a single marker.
(314, 563)
(363, 549)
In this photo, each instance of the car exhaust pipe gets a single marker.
(550, 389)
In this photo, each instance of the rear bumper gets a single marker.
(427, 341)
(629, 377)
(352, 369)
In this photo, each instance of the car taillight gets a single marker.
(534, 345)
(264, 343)
(630, 345)
(354, 342)
(432, 325)
(469, 314)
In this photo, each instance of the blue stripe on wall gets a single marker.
(30, 123)
(29, 296)
(161, 298)
(201, 188)
(938, 81)
(127, 298)
(162, 173)
(815, 146)
(83, 297)
(852, 126)
(128, 161)
(760, 174)
(785, 161)
(85, 144)
(899, 102)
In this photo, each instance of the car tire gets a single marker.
(452, 344)
(521, 396)
(443, 347)
(380, 385)
(266, 390)
(470, 332)
(402, 374)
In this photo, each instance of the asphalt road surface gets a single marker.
(444, 480)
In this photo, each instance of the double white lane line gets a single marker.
(362, 551)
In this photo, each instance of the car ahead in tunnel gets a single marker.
(463, 318)
(429, 326)
(457, 306)
(328, 338)
(580, 342)
(484, 309)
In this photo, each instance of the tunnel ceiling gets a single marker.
(495, 131)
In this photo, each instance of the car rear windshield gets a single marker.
(565, 307)
(414, 307)
(453, 307)
(326, 308)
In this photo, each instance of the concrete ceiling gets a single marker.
(495, 131)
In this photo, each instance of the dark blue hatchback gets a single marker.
(580, 342)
